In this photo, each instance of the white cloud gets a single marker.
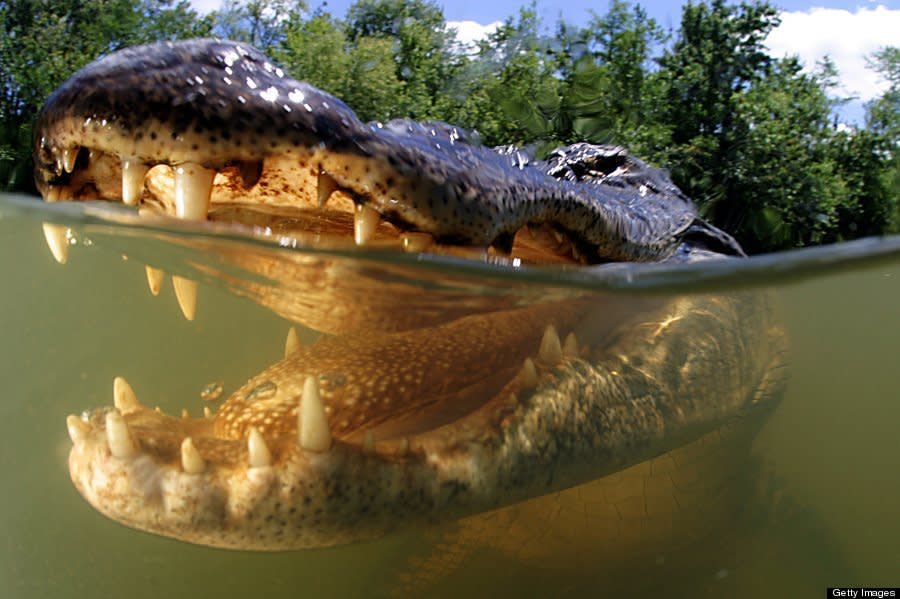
(847, 37)
(206, 6)
(469, 32)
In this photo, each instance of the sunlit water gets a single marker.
(829, 457)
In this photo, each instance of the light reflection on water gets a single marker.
(828, 457)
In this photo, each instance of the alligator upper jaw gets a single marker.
(190, 127)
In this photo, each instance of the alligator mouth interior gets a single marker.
(287, 194)
(398, 389)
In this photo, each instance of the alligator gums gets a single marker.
(421, 403)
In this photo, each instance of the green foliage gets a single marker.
(782, 186)
(506, 91)
(315, 51)
(261, 23)
(751, 138)
(883, 119)
(417, 33)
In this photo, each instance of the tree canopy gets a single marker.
(752, 138)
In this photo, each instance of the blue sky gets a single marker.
(846, 30)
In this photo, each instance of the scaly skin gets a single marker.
(431, 413)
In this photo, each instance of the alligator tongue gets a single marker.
(409, 382)
(400, 383)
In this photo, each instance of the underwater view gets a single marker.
(781, 474)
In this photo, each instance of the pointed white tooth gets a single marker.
(325, 187)
(193, 186)
(257, 449)
(121, 445)
(191, 461)
(368, 443)
(186, 294)
(57, 237)
(314, 434)
(365, 221)
(207, 413)
(52, 194)
(416, 242)
(78, 428)
(528, 376)
(550, 351)
(292, 343)
(68, 159)
(133, 171)
(123, 396)
(570, 346)
(185, 415)
(155, 279)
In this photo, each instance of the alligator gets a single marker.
(417, 405)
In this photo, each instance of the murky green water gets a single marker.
(829, 457)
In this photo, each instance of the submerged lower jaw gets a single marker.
(311, 486)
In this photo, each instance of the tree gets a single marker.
(783, 186)
(421, 44)
(260, 23)
(362, 73)
(316, 51)
(507, 91)
(883, 120)
(718, 54)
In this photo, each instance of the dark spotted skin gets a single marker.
(218, 103)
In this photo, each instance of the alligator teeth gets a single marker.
(57, 237)
(191, 461)
(78, 428)
(207, 413)
(314, 434)
(250, 172)
(133, 171)
(257, 449)
(325, 186)
(186, 294)
(52, 194)
(118, 436)
(550, 351)
(416, 242)
(528, 376)
(292, 343)
(68, 159)
(193, 186)
(155, 278)
(123, 396)
(185, 415)
(570, 346)
(365, 221)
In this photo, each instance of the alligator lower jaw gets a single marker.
(270, 471)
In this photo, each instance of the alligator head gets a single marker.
(426, 404)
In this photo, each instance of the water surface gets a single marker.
(828, 459)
